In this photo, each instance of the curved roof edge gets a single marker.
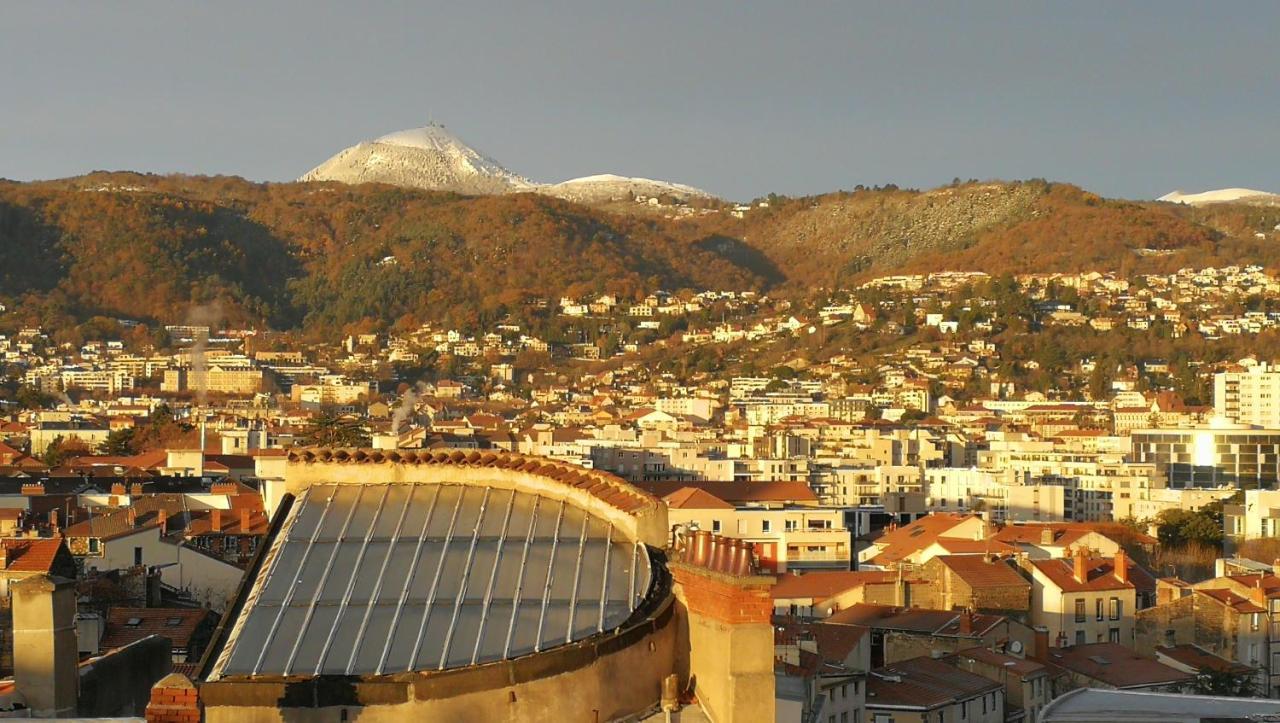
(602, 492)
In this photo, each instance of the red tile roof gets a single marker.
(1100, 574)
(176, 624)
(917, 620)
(977, 571)
(1197, 658)
(692, 498)
(822, 585)
(924, 683)
(902, 542)
(1115, 665)
(736, 493)
(32, 555)
(1230, 599)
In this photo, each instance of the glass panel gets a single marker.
(313, 640)
(340, 571)
(345, 638)
(367, 579)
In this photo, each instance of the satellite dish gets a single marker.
(1015, 646)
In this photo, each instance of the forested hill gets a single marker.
(326, 256)
(322, 255)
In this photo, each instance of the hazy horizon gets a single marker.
(1126, 100)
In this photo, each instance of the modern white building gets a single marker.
(1251, 396)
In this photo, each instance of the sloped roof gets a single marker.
(129, 625)
(979, 572)
(1236, 602)
(1115, 665)
(821, 585)
(923, 683)
(1197, 658)
(736, 493)
(692, 498)
(32, 555)
(916, 620)
(1100, 575)
(897, 544)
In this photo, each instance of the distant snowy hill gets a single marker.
(1222, 195)
(428, 157)
(435, 159)
(608, 187)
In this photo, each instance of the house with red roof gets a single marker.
(1219, 621)
(928, 536)
(24, 557)
(1086, 599)
(787, 536)
(924, 690)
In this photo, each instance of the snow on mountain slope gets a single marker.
(1222, 195)
(609, 187)
(435, 159)
(429, 157)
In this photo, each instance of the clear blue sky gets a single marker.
(1125, 98)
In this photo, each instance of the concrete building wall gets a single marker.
(610, 685)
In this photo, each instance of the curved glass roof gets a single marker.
(388, 578)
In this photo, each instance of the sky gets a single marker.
(1128, 99)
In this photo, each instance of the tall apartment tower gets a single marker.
(1251, 396)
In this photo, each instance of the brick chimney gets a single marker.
(966, 622)
(1080, 570)
(1040, 651)
(1047, 536)
(727, 612)
(118, 489)
(162, 517)
(1258, 594)
(215, 520)
(1275, 567)
(174, 699)
(132, 515)
(1121, 564)
(245, 516)
(53, 521)
(135, 489)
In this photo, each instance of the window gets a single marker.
(1097, 609)
(1079, 637)
(984, 705)
(964, 711)
(1255, 621)
(137, 556)
(1113, 635)
(1116, 608)
(715, 526)
(789, 525)
(844, 717)
(766, 526)
(94, 545)
(1079, 610)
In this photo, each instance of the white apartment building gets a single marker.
(1250, 397)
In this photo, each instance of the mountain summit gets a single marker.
(1222, 195)
(429, 157)
(432, 158)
